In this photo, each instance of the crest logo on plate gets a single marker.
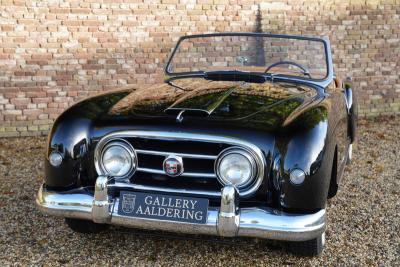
(128, 203)
(173, 165)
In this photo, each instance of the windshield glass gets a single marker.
(288, 55)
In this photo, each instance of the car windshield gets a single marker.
(260, 53)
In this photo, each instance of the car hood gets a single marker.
(243, 104)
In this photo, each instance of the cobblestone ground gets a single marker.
(363, 229)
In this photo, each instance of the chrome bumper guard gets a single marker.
(228, 220)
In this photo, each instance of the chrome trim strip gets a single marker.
(150, 170)
(259, 222)
(187, 174)
(199, 174)
(183, 155)
(162, 135)
(139, 187)
(349, 154)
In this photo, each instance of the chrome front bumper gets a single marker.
(227, 220)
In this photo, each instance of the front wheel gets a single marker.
(311, 247)
(84, 226)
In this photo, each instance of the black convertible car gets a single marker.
(248, 136)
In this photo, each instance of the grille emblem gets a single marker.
(173, 165)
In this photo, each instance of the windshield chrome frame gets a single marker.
(273, 77)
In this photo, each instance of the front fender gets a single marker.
(305, 145)
(70, 137)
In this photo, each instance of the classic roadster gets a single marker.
(247, 137)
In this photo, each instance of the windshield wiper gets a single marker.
(234, 75)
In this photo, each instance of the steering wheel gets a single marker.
(305, 71)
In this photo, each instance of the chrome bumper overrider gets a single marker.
(227, 220)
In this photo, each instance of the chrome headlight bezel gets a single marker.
(243, 152)
(99, 154)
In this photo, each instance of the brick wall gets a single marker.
(53, 53)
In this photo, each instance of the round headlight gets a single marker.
(235, 166)
(118, 159)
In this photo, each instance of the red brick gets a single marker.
(7, 28)
(37, 100)
(20, 101)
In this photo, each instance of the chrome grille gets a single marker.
(183, 155)
(152, 147)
